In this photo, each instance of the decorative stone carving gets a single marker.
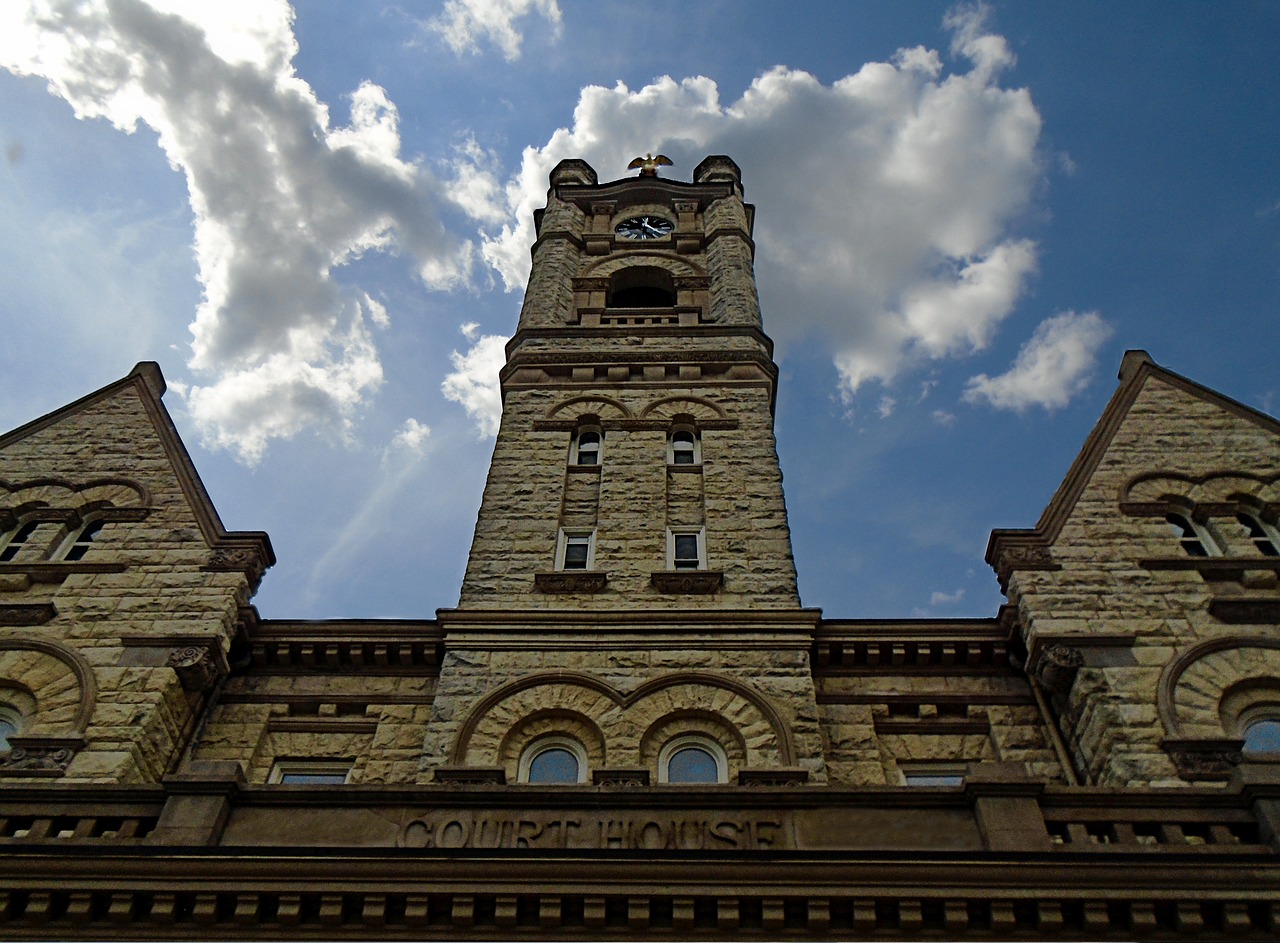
(566, 581)
(196, 667)
(1205, 764)
(621, 778)
(27, 613)
(471, 775)
(234, 558)
(687, 581)
(39, 756)
(786, 777)
(1057, 667)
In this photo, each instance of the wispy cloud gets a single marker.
(1051, 367)
(465, 23)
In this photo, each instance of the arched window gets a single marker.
(692, 759)
(641, 286)
(1259, 533)
(554, 760)
(79, 541)
(587, 446)
(11, 723)
(12, 544)
(1262, 738)
(683, 448)
(1195, 538)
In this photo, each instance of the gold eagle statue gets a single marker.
(649, 164)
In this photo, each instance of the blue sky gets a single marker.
(317, 221)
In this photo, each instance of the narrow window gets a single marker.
(18, 540)
(554, 760)
(78, 544)
(931, 774)
(1195, 539)
(576, 551)
(310, 772)
(686, 550)
(586, 447)
(1259, 533)
(11, 722)
(691, 760)
(683, 448)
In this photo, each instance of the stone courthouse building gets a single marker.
(629, 726)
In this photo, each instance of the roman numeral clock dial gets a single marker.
(644, 227)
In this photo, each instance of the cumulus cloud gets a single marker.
(940, 599)
(888, 198)
(281, 196)
(473, 382)
(412, 436)
(463, 23)
(1050, 368)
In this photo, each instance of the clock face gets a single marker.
(644, 227)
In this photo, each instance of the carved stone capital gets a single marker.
(1057, 667)
(39, 756)
(27, 613)
(789, 776)
(196, 666)
(620, 777)
(687, 582)
(1205, 762)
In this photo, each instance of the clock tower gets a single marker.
(633, 527)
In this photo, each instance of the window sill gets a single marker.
(571, 581)
(1246, 611)
(27, 613)
(1225, 566)
(695, 469)
(687, 582)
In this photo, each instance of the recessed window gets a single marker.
(587, 446)
(554, 760)
(577, 550)
(1261, 535)
(931, 774)
(691, 760)
(683, 448)
(1262, 738)
(11, 723)
(78, 542)
(686, 550)
(310, 772)
(19, 538)
(1194, 537)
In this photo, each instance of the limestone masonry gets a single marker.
(629, 726)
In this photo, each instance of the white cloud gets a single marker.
(885, 407)
(939, 599)
(474, 381)
(412, 436)
(281, 197)
(888, 198)
(1050, 368)
(463, 23)
(943, 418)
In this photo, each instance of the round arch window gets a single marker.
(1262, 738)
(554, 761)
(11, 723)
(691, 760)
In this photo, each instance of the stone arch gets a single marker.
(544, 723)
(1193, 685)
(673, 263)
(65, 495)
(693, 721)
(58, 680)
(1214, 488)
(606, 408)
(622, 718)
(685, 408)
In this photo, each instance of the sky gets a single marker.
(317, 220)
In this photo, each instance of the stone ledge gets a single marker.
(27, 613)
(471, 775)
(785, 776)
(1246, 611)
(621, 777)
(571, 581)
(687, 582)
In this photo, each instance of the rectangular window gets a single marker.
(310, 772)
(576, 550)
(932, 774)
(686, 550)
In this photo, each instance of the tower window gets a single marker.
(11, 723)
(586, 447)
(691, 760)
(576, 550)
(554, 760)
(1259, 533)
(932, 774)
(686, 550)
(78, 543)
(310, 772)
(641, 286)
(1262, 738)
(19, 539)
(1195, 539)
(683, 448)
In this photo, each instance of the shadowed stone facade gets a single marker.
(629, 725)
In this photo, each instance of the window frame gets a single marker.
(75, 539)
(1195, 534)
(562, 548)
(698, 741)
(554, 741)
(314, 767)
(575, 447)
(16, 718)
(1266, 541)
(695, 452)
(932, 769)
(700, 533)
(19, 537)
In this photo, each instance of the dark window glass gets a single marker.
(575, 553)
(1188, 536)
(554, 765)
(17, 541)
(312, 779)
(682, 448)
(1258, 534)
(1262, 736)
(686, 551)
(692, 765)
(589, 448)
(80, 546)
